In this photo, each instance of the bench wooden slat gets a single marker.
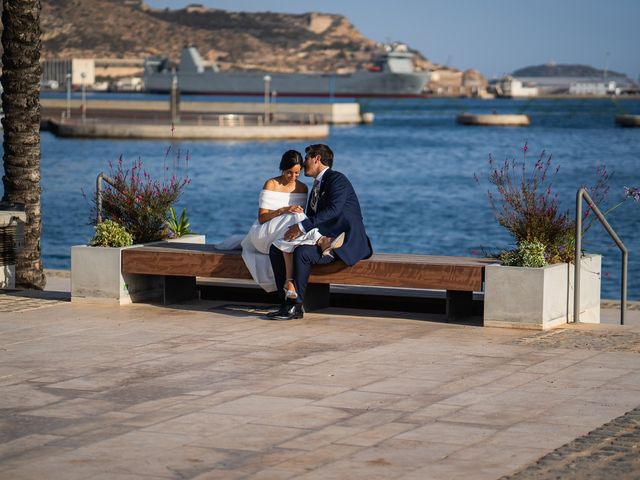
(178, 262)
(385, 270)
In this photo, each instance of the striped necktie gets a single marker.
(315, 194)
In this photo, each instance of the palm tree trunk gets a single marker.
(21, 104)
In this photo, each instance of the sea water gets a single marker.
(413, 170)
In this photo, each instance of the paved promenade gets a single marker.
(209, 390)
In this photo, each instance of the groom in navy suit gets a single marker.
(333, 208)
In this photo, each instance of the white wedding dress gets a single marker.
(256, 245)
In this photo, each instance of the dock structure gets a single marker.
(193, 120)
(628, 120)
(494, 119)
(330, 113)
(196, 120)
(186, 131)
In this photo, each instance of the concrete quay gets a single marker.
(628, 120)
(210, 390)
(192, 131)
(494, 120)
(331, 113)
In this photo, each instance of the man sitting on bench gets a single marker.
(334, 209)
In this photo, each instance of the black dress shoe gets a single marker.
(290, 312)
(281, 311)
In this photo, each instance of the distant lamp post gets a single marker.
(175, 101)
(267, 83)
(332, 87)
(83, 103)
(68, 78)
(272, 107)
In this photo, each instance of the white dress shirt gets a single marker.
(319, 180)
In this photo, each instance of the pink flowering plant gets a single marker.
(630, 192)
(139, 203)
(523, 201)
(598, 194)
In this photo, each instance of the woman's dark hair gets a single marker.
(290, 159)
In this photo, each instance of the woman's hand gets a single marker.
(292, 209)
(265, 215)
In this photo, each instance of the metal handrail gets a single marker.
(582, 193)
(102, 177)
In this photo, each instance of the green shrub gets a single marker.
(178, 226)
(110, 234)
(510, 258)
(532, 254)
(528, 254)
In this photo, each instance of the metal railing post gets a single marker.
(582, 193)
(99, 179)
(577, 258)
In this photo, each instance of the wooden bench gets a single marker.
(181, 263)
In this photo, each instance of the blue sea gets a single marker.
(413, 169)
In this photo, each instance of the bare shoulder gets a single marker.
(271, 184)
(301, 187)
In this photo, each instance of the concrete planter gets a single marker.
(540, 298)
(96, 275)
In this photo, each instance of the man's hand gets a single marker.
(292, 232)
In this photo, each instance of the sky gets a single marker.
(493, 36)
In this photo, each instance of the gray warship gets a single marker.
(392, 75)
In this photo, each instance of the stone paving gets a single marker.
(15, 302)
(210, 391)
(631, 305)
(589, 338)
(611, 451)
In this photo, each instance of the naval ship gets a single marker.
(392, 75)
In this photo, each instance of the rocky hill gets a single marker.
(563, 70)
(262, 41)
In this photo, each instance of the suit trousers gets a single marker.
(303, 257)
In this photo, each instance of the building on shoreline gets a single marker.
(511, 87)
(99, 73)
(448, 81)
(518, 87)
(82, 71)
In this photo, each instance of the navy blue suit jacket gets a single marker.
(339, 211)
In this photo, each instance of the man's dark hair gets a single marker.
(290, 159)
(326, 155)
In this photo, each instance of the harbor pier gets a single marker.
(330, 113)
(195, 120)
(151, 129)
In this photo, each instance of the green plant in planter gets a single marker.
(178, 226)
(110, 234)
(528, 254)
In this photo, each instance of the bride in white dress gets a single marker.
(280, 206)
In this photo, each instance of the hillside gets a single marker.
(560, 70)
(237, 40)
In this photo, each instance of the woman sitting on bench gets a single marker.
(280, 206)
